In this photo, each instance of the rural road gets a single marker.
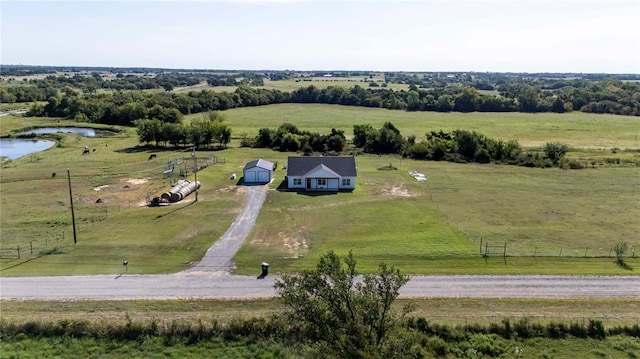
(209, 285)
(210, 278)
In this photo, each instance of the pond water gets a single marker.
(18, 147)
(15, 148)
(86, 132)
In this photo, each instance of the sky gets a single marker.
(432, 35)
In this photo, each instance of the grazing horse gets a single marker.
(85, 151)
(53, 174)
(151, 156)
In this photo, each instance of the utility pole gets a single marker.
(73, 216)
(195, 170)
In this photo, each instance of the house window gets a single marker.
(322, 182)
(297, 181)
(346, 181)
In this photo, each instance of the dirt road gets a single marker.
(208, 285)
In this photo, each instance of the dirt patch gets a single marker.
(395, 191)
(136, 181)
(294, 246)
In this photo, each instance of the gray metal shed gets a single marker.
(258, 171)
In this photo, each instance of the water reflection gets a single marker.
(15, 148)
(86, 132)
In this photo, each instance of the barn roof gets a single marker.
(344, 166)
(267, 165)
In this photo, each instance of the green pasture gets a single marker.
(576, 129)
(552, 221)
(294, 84)
(542, 215)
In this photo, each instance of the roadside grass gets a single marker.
(450, 311)
(553, 221)
(576, 129)
(150, 347)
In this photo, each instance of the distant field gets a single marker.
(294, 84)
(553, 221)
(575, 129)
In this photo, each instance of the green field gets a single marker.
(552, 221)
(576, 129)
(295, 84)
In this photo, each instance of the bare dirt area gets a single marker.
(396, 191)
(127, 191)
(295, 246)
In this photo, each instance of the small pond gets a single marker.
(15, 148)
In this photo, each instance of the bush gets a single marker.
(595, 329)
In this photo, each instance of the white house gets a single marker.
(321, 173)
(258, 171)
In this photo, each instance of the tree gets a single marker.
(528, 99)
(467, 100)
(352, 317)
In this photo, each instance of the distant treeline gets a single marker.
(42, 89)
(124, 107)
(463, 92)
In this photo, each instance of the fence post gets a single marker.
(560, 255)
(535, 252)
(481, 245)
(31, 246)
(585, 252)
(505, 253)
(18, 252)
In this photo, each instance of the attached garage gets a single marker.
(258, 171)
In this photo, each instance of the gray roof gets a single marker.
(259, 163)
(344, 166)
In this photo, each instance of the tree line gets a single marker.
(123, 107)
(211, 130)
(288, 138)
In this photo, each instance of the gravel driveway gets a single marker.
(219, 257)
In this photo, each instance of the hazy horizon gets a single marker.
(383, 36)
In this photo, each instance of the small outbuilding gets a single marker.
(258, 171)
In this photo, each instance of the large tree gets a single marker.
(349, 314)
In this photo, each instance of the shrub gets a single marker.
(595, 329)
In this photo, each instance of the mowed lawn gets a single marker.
(544, 216)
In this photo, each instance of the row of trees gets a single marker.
(455, 146)
(210, 130)
(616, 98)
(289, 138)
